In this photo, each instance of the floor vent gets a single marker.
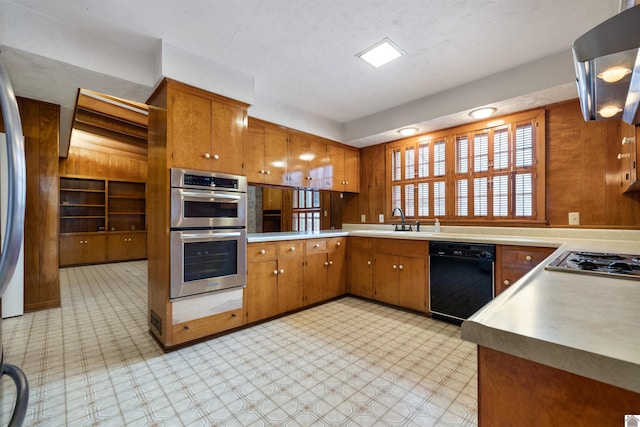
(155, 321)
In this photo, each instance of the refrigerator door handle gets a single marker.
(16, 169)
(22, 393)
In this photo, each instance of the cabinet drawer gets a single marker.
(290, 248)
(316, 246)
(523, 255)
(509, 275)
(365, 243)
(411, 248)
(261, 251)
(199, 328)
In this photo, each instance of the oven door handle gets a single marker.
(200, 236)
(210, 196)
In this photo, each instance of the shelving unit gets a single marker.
(101, 220)
(82, 205)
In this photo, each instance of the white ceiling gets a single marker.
(460, 54)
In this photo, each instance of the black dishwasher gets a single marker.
(460, 279)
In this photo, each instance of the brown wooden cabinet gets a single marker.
(344, 173)
(513, 262)
(205, 326)
(324, 269)
(308, 163)
(361, 266)
(274, 279)
(628, 157)
(409, 282)
(126, 246)
(266, 155)
(83, 248)
(90, 205)
(205, 131)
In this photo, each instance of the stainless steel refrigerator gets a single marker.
(14, 230)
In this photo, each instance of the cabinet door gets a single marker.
(351, 170)
(117, 247)
(190, 122)
(315, 277)
(275, 157)
(412, 283)
(137, 246)
(299, 156)
(319, 168)
(290, 283)
(227, 139)
(361, 273)
(261, 292)
(336, 171)
(254, 160)
(71, 249)
(95, 250)
(336, 272)
(386, 278)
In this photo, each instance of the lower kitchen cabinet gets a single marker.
(513, 262)
(274, 279)
(324, 269)
(401, 273)
(78, 248)
(126, 246)
(361, 266)
(204, 326)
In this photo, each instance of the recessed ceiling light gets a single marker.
(407, 131)
(482, 113)
(380, 53)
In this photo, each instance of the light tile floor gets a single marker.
(344, 363)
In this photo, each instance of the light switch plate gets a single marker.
(381, 218)
(363, 218)
(574, 218)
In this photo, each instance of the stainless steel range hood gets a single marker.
(608, 69)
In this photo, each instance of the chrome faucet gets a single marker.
(393, 213)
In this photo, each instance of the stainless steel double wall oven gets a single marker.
(208, 232)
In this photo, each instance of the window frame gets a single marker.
(510, 122)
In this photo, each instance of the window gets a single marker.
(472, 172)
(306, 210)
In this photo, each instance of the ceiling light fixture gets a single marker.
(407, 131)
(609, 111)
(614, 74)
(380, 53)
(482, 113)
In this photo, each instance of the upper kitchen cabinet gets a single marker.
(628, 156)
(204, 131)
(344, 169)
(266, 154)
(308, 163)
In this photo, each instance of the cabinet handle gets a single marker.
(233, 315)
(528, 258)
(624, 156)
(368, 262)
(326, 264)
(268, 172)
(216, 157)
(339, 244)
(506, 282)
(275, 272)
(346, 183)
(395, 266)
(317, 245)
(261, 170)
(292, 248)
(262, 251)
(628, 140)
(186, 327)
(282, 271)
(330, 262)
(401, 267)
(207, 155)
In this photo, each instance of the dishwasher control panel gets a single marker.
(463, 250)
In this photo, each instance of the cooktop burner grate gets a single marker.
(597, 263)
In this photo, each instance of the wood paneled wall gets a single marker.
(582, 175)
(40, 125)
(104, 163)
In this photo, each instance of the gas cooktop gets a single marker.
(621, 266)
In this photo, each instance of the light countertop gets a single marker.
(583, 324)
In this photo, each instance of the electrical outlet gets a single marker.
(574, 218)
(381, 218)
(363, 218)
